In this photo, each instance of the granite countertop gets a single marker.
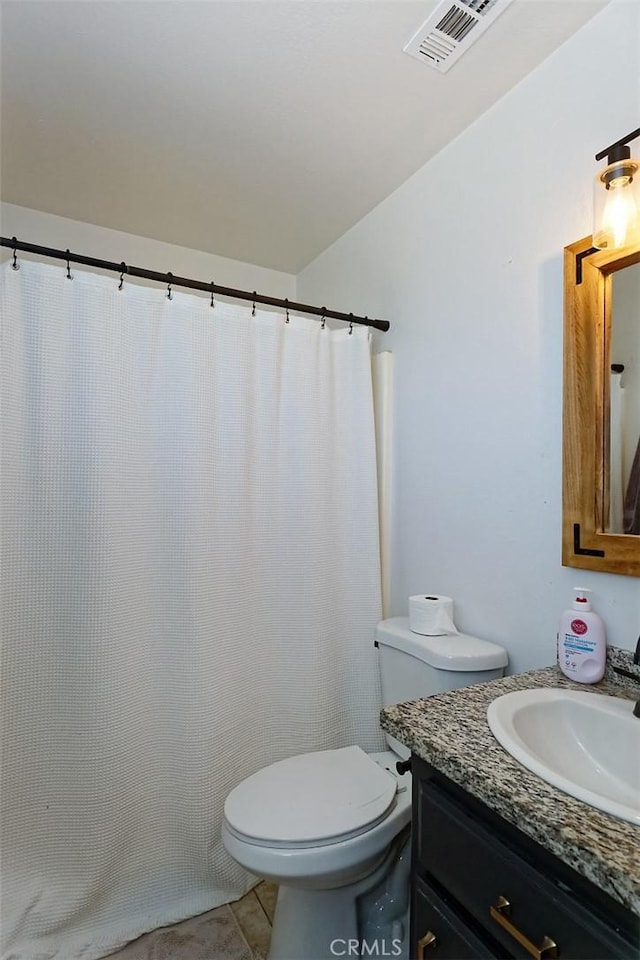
(450, 731)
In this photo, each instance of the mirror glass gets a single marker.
(624, 406)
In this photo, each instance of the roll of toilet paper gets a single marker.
(431, 615)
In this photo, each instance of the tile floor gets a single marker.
(254, 916)
(237, 931)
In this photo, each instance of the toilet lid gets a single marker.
(311, 798)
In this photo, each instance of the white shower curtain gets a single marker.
(190, 583)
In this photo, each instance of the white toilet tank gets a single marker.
(414, 666)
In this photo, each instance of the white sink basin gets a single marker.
(586, 744)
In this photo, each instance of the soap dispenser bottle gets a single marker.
(582, 642)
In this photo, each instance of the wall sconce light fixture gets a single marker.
(616, 199)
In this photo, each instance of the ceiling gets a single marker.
(255, 129)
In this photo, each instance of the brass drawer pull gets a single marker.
(500, 913)
(429, 940)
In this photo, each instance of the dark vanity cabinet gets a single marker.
(481, 888)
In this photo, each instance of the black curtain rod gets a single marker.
(168, 278)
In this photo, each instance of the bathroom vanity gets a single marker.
(503, 863)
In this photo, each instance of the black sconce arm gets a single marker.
(615, 152)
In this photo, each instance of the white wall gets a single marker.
(45, 229)
(465, 259)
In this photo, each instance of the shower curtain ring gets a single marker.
(15, 265)
(69, 277)
(324, 319)
(253, 307)
(351, 325)
(169, 294)
(123, 270)
(212, 300)
(286, 305)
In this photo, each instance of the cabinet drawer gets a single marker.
(438, 932)
(482, 872)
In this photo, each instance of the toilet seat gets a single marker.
(313, 799)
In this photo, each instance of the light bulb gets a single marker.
(617, 205)
(620, 212)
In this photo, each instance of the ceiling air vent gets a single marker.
(451, 29)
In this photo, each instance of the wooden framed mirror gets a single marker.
(601, 446)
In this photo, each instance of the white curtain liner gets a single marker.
(190, 588)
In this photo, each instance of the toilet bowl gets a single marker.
(331, 827)
(325, 827)
(350, 805)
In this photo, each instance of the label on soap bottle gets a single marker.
(580, 655)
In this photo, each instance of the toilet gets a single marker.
(331, 828)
